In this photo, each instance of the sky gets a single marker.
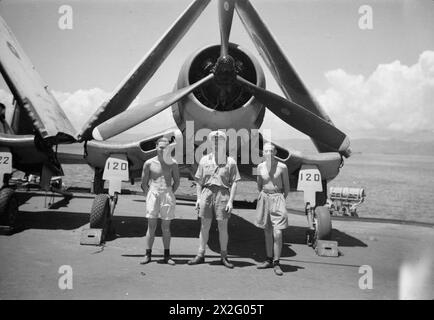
(376, 82)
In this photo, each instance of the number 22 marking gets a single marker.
(4, 160)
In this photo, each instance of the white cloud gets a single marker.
(78, 106)
(393, 101)
(81, 104)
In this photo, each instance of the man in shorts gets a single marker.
(271, 215)
(216, 181)
(157, 176)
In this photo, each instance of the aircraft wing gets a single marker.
(31, 92)
(328, 163)
(137, 152)
(29, 157)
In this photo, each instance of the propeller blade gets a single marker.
(130, 87)
(226, 13)
(300, 118)
(276, 61)
(142, 112)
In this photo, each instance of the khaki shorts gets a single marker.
(160, 204)
(213, 201)
(271, 211)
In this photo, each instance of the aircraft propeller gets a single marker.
(299, 110)
(226, 13)
(299, 118)
(135, 115)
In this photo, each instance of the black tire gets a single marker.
(98, 182)
(100, 212)
(323, 223)
(8, 207)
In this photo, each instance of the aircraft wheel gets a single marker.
(8, 207)
(100, 212)
(323, 223)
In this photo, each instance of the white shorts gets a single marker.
(160, 204)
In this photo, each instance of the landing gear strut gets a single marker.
(318, 216)
(103, 207)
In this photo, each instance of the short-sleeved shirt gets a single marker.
(224, 175)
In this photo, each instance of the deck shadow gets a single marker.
(297, 235)
(49, 220)
(245, 239)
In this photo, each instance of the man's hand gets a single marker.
(229, 207)
(145, 190)
(197, 206)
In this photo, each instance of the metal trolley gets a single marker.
(344, 201)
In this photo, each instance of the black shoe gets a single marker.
(226, 263)
(277, 270)
(265, 265)
(196, 260)
(146, 260)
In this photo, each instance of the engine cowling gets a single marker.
(208, 107)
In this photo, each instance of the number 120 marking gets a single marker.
(116, 166)
(309, 177)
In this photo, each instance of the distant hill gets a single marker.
(393, 146)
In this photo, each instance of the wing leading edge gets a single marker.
(30, 91)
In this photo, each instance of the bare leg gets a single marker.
(203, 239)
(165, 228)
(268, 231)
(223, 235)
(204, 235)
(149, 239)
(268, 263)
(150, 234)
(277, 243)
(277, 251)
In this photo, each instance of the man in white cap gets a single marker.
(271, 215)
(216, 180)
(157, 176)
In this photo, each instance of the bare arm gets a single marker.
(235, 177)
(259, 178)
(233, 190)
(198, 178)
(285, 178)
(198, 193)
(198, 188)
(145, 178)
(175, 177)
